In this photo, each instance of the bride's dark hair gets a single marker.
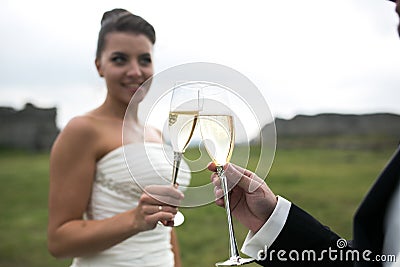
(121, 20)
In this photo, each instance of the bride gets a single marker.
(98, 214)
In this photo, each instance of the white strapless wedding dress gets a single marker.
(117, 188)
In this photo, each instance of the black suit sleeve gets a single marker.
(302, 232)
(304, 241)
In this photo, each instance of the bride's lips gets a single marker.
(131, 87)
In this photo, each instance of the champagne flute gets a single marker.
(218, 134)
(184, 110)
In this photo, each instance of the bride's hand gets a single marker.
(157, 204)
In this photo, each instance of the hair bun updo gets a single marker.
(114, 14)
(121, 20)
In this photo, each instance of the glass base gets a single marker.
(235, 262)
(179, 218)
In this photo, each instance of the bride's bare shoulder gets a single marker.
(79, 130)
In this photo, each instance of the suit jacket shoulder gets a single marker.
(304, 241)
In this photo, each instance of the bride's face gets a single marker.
(126, 63)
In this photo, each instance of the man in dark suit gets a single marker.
(282, 234)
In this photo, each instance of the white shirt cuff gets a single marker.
(258, 242)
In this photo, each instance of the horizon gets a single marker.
(275, 117)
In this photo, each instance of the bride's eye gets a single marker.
(119, 59)
(145, 59)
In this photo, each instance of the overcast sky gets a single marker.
(306, 57)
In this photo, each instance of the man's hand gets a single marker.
(251, 200)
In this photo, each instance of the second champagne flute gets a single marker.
(218, 134)
(184, 111)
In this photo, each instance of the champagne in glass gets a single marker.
(218, 134)
(181, 125)
(182, 122)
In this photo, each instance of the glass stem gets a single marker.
(177, 162)
(234, 252)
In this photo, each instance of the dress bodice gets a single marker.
(121, 176)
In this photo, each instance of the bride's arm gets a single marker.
(72, 170)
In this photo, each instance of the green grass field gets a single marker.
(328, 183)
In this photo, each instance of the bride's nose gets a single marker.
(134, 69)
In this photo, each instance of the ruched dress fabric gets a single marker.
(120, 178)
